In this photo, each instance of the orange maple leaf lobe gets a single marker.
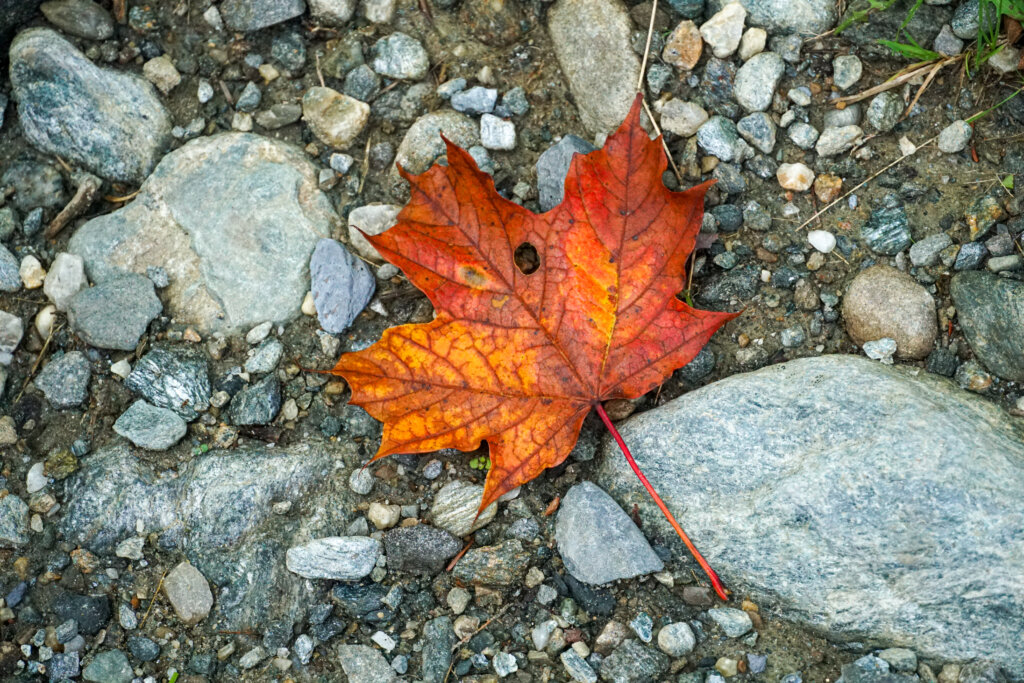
(518, 359)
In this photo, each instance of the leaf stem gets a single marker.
(715, 581)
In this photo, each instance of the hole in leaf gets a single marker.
(526, 257)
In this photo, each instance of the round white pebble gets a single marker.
(822, 240)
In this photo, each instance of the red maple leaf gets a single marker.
(517, 356)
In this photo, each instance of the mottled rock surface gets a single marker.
(870, 503)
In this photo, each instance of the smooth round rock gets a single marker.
(883, 302)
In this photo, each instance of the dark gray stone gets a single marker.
(82, 18)
(63, 666)
(252, 15)
(13, 522)
(111, 122)
(143, 648)
(257, 404)
(887, 231)
(632, 662)
(173, 377)
(991, 312)
(759, 130)
(598, 542)
(90, 612)
(65, 380)
(553, 166)
(970, 256)
(421, 549)
(361, 83)
(114, 314)
(733, 285)
(438, 641)
(36, 184)
(342, 285)
(150, 427)
(823, 518)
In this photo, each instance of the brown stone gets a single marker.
(883, 302)
(684, 46)
(827, 187)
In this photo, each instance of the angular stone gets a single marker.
(335, 119)
(422, 144)
(342, 285)
(115, 313)
(683, 47)
(111, 122)
(363, 664)
(806, 525)
(252, 15)
(553, 166)
(65, 380)
(13, 521)
(421, 549)
(991, 312)
(598, 542)
(807, 17)
(149, 427)
(231, 218)
(173, 377)
(400, 56)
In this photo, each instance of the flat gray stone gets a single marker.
(343, 558)
(82, 18)
(65, 380)
(111, 122)
(598, 542)
(252, 15)
(591, 39)
(231, 218)
(150, 427)
(115, 313)
(342, 285)
(991, 312)
(364, 664)
(854, 498)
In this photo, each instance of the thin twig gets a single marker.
(152, 602)
(647, 48)
(467, 638)
(896, 81)
(88, 187)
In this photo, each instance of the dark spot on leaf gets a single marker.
(527, 259)
(472, 276)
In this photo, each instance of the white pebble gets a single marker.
(44, 320)
(796, 177)
(121, 368)
(259, 333)
(386, 642)
(36, 480)
(822, 240)
(497, 133)
(308, 305)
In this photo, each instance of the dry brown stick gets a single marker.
(152, 602)
(85, 195)
(924, 86)
(893, 82)
(647, 48)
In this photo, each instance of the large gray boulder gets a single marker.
(231, 218)
(870, 503)
(111, 122)
(218, 510)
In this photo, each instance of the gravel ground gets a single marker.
(179, 496)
